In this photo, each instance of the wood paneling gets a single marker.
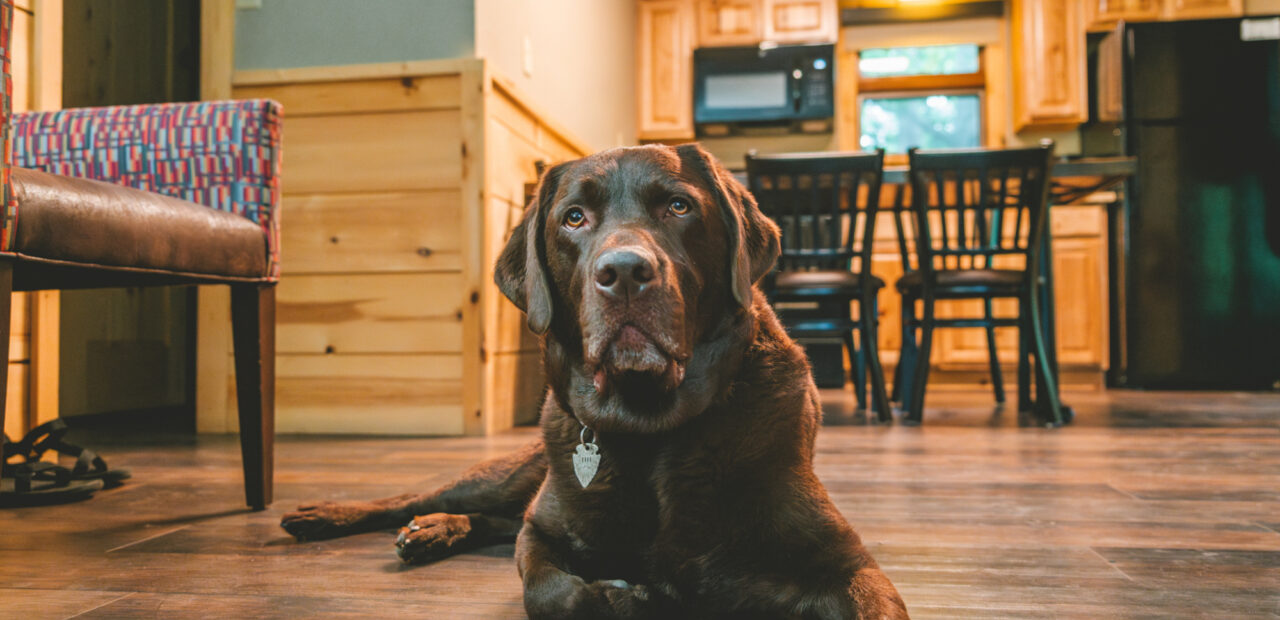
(401, 185)
(404, 394)
(371, 152)
(370, 313)
(1048, 64)
(665, 69)
(426, 92)
(729, 22)
(373, 232)
(15, 406)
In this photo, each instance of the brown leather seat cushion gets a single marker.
(95, 224)
(822, 283)
(967, 282)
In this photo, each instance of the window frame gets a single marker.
(923, 85)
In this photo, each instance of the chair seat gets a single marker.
(816, 283)
(967, 283)
(73, 224)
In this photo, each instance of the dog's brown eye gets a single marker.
(679, 206)
(575, 218)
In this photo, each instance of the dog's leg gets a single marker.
(551, 592)
(875, 597)
(500, 487)
(435, 536)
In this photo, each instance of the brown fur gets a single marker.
(705, 503)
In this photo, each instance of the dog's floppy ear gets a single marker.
(755, 241)
(521, 272)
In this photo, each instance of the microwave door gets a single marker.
(746, 96)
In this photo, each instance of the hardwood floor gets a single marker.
(1152, 505)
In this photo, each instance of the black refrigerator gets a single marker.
(1196, 250)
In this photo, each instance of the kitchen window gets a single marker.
(930, 97)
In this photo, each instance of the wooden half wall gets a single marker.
(33, 341)
(400, 183)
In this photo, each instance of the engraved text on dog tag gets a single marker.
(586, 460)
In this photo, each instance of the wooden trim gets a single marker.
(46, 56)
(213, 303)
(476, 87)
(923, 82)
(508, 88)
(217, 48)
(45, 306)
(346, 73)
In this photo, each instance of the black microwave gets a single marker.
(763, 85)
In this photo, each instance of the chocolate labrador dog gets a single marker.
(675, 472)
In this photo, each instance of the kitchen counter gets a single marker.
(1105, 167)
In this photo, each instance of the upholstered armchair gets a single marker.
(152, 195)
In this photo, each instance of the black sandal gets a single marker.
(49, 436)
(36, 484)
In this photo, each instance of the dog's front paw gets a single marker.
(432, 537)
(622, 599)
(324, 520)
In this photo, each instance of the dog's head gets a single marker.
(629, 260)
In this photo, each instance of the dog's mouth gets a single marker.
(632, 361)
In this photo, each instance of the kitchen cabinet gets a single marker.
(1104, 14)
(729, 22)
(1048, 64)
(665, 34)
(800, 21)
(1202, 9)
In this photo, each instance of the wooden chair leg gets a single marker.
(253, 321)
(902, 374)
(857, 370)
(870, 319)
(997, 379)
(6, 302)
(1024, 355)
(920, 375)
(1047, 405)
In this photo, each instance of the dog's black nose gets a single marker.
(624, 272)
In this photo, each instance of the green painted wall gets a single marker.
(314, 33)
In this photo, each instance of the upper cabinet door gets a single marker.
(664, 38)
(800, 21)
(728, 22)
(1201, 9)
(1103, 14)
(1049, 64)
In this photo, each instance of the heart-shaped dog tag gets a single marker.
(586, 460)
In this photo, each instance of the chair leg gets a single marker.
(997, 379)
(856, 369)
(870, 346)
(6, 303)
(902, 374)
(920, 375)
(1047, 405)
(253, 320)
(1024, 356)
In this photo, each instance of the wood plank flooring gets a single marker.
(1153, 505)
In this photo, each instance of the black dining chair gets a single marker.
(979, 218)
(826, 205)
